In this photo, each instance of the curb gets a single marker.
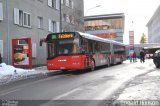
(13, 78)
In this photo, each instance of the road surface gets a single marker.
(76, 88)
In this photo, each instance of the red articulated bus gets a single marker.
(78, 51)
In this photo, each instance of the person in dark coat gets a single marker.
(142, 56)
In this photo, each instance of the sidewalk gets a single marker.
(10, 74)
(144, 87)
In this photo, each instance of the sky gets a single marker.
(137, 11)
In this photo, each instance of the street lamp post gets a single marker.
(8, 32)
(60, 14)
(91, 9)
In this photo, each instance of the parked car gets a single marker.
(156, 58)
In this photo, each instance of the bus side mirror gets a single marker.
(40, 44)
(41, 41)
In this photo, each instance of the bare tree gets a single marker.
(74, 19)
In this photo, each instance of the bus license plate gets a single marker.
(62, 67)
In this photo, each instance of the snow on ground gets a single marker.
(9, 73)
(145, 87)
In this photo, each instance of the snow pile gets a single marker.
(9, 73)
(154, 73)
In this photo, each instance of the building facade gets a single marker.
(153, 27)
(109, 26)
(72, 15)
(145, 46)
(36, 19)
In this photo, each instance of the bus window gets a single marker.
(76, 40)
(65, 51)
(51, 50)
(91, 46)
(118, 49)
(76, 45)
(67, 46)
(84, 46)
(64, 46)
(76, 49)
(97, 47)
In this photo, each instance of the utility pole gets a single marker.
(8, 32)
(60, 15)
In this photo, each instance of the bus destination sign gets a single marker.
(61, 36)
(65, 36)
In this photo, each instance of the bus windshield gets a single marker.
(63, 47)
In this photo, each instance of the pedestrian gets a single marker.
(142, 56)
(149, 56)
(134, 57)
(130, 57)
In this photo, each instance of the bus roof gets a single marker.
(153, 47)
(93, 37)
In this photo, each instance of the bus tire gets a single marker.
(92, 65)
(64, 71)
(157, 65)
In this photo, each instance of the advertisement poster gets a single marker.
(131, 40)
(21, 52)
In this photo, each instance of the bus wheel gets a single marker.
(64, 71)
(157, 65)
(92, 65)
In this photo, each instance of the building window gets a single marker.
(72, 19)
(54, 4)
(53, 26)
(40, 22)
(22, 18)
(64, 17)
(26, 19)
(67, 3)
(67, 19)
(1, 11)
(40, 1)
(71, 4)
(62, 1)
